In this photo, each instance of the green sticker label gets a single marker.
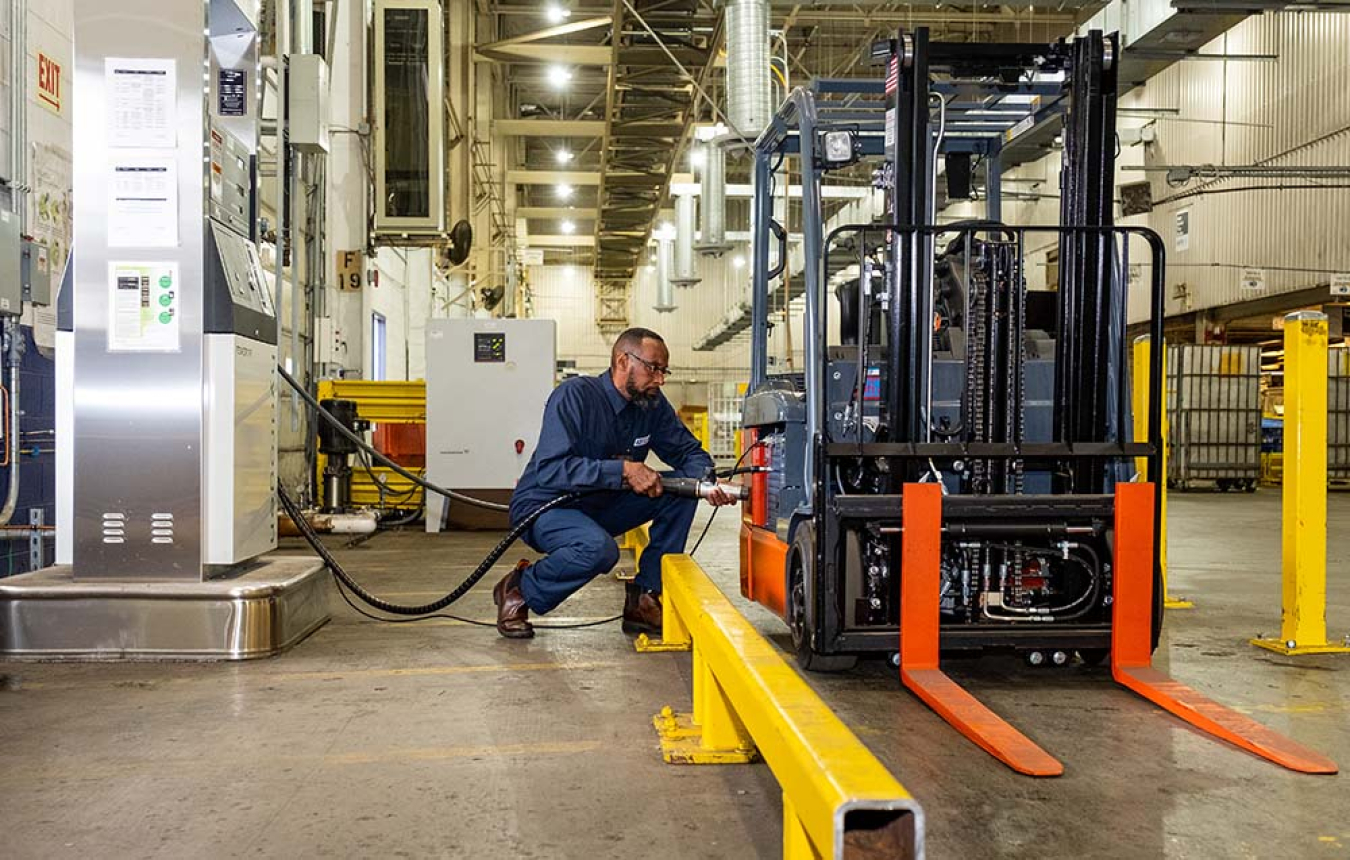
(166, 299)
(165, 281)
(165, 317)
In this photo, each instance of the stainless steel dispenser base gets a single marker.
(49, 615)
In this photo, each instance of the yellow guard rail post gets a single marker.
(1303, 629)
(635, 540)
(1139, 402)
(838, 800)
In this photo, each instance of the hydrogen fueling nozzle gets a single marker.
(693, 488)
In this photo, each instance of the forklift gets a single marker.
(952, 468)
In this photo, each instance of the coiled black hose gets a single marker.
(293, 511)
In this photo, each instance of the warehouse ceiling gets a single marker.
(601, 124)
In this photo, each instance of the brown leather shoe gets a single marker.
(512, 613)
(641, 611)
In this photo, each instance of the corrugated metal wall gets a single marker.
(1292, 111)
(567, 294)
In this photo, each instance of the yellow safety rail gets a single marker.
(392, 402)
(1303, 629)
(635, 541)
(1139, 403)
(838, 800)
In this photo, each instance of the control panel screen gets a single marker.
(489, 346)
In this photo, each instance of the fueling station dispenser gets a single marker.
(166, 359)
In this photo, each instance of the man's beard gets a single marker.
(642, 399)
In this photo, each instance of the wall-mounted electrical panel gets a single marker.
(409, 126)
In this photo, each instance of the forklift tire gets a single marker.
(801, 561)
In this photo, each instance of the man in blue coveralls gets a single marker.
(596, 434)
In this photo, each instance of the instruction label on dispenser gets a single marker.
(140, 102)
(143, 307)
(143, 203)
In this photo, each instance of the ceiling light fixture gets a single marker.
(557, 14)
(567, 227)
(563, 156)
(559, 76)
(564, 191)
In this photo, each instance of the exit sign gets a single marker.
(49, 83)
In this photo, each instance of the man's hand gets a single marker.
(641, 480)
(719, 497)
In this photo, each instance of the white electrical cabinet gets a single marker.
(308, 95)
(487, 383)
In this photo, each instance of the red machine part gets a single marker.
(759, 481)
(764, 568)
(405, 444)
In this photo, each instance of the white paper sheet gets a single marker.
(141, 102)
(143, 203)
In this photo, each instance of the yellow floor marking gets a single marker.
(84, 769)
(441, 753)
(435, 670)
(333, 674)
(1312, 708)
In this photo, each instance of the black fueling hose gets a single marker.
(293, 511)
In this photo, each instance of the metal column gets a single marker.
(1303, 629)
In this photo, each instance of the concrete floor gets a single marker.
(441, 739)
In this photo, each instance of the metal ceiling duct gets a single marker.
(685, 274)
(749, 105)
(665, 290)
(712, 202)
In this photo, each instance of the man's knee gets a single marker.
(598, 553)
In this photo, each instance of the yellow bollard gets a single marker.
(1303, 629)
(1139, 400)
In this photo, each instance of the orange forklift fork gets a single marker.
(1131, 654)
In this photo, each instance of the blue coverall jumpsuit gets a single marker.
(589, 430)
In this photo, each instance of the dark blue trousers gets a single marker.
(580, 543)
